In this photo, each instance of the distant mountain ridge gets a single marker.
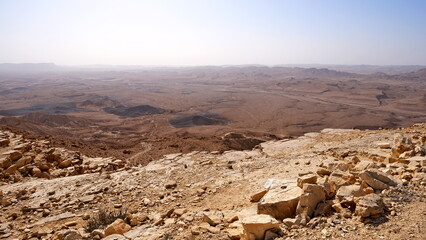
(322, 70)
(28, 67)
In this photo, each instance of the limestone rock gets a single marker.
(257, 196)
(230, 216)
(117, 227)
(309, 178)
(347, 193)
(5, 163)
(383, 145)
(11, 169)
(312, 195)
(281, 200)
(4, 142)
(115, 237)
(180, 211)
(420, 160)
(339, 178)
(43, 175)
(323, 171)
(322, 209)
(329, 189)
(339, 166)
(170, 184)
(364, 165)
(255, 226)
(234, 233)
(369, 205)
(378, 179)
(22, 147)
(213, 218)
(23, 161)
(401, 144)
(97, 232)
(136, 219)
(13, 155)
(271, 234)
(87, 198)
(71, 235)
(205, 227)
(65, 163)
(289, 222)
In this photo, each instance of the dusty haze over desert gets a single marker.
(212, 119)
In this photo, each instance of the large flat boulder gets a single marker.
(281, 200)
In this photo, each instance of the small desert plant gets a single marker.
(167, 236)
(103, 218)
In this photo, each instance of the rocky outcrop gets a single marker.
(319, 186)
(22, 158)
(281, 200)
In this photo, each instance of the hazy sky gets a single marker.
(201, 32)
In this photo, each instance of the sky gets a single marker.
(213, 32)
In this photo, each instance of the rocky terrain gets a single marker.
(333, 184)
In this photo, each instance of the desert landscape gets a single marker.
(236, 152)
(142, 114)
(212, 120)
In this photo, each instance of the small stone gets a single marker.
(309, 178)
(257, 196)
(71, 223)
(169, 221)
(71, 235)
(170, 184)
(213, 218)
(97, 232)
(383, 145)
(13, 155)
(323, 171)
(4, 142)
(117, 227)
(180, 211)
(65, 163)
(322, 209)
(234, 233)
(87, 199)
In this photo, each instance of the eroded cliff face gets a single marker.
(336, 183)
